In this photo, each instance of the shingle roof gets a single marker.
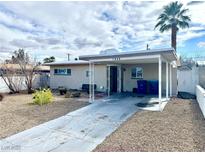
(16, 66)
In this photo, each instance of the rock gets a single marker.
(68, 95)
(75, 94)
(72, 94)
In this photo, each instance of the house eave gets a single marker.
(165, 51)
(67, 63)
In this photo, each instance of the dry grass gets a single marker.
(17, 113)
(180, 127)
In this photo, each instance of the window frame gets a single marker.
(66, 70)
(87, 73)
(136, 73)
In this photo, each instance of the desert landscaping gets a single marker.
(18, 113)
(180, 127)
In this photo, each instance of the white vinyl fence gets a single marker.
(200, 96)
(188, 79)
(42, 80)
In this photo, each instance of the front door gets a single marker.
(113, 79)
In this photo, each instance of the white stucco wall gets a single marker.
(78, 77)
(200, 96)
(150, 72)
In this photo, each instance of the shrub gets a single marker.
(1, 97)
(42, 97)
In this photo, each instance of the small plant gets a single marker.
(1, 97)
(42, 97)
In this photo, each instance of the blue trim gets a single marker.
(62, 74)
(66, 73)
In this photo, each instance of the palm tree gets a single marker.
(173, 17)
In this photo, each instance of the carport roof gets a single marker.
(168, 53)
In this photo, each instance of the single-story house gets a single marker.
(118, 72)
(17, 69)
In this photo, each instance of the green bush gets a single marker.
(42, 97)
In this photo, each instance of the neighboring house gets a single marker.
(16, 68)
(41, 78)
(118, 72)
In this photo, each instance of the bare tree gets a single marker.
(10, 77)
(24, 71)
(28, 67)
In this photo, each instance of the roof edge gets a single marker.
(77, 62)
(152, 51)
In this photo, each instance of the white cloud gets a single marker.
(56, 28)
(201, 44)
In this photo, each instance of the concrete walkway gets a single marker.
(81, 130)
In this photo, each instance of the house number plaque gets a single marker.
(116, 58)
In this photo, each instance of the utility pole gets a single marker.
(148, 47)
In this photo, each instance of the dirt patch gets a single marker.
(16, 114)
(180, 127)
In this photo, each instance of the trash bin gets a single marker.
(153, 87)
(141, 86)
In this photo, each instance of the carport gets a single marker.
(160, 58)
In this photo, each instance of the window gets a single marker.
(62, 71)
(87, 73)
(137, 73)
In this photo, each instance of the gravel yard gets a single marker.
(16, 114)
(180, 127)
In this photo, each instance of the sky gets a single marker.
(56, 28)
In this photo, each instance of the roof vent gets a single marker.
(109, 51)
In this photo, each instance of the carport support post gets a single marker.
(93, 83)
(90, 82)
(108, 80)
(170, 78)
(160, 80)
(167, 81)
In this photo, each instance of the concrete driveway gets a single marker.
(81, 130)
